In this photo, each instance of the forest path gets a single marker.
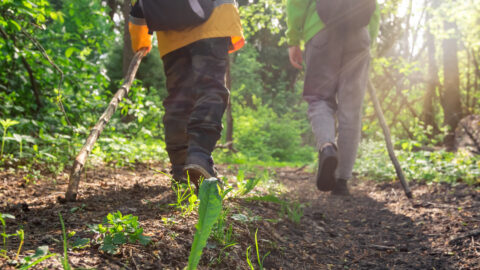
(375, 228)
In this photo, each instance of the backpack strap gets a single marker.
(217, 3)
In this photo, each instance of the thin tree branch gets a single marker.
(45, 55)
(33, 82)
(82, 156)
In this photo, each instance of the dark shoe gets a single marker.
(177, 174)
(341, 188)
(199, 166)
(327, 164)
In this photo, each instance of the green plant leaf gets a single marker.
(5, 216)
(208, 212)
(144, 240)
(108, 245)
(119, 238)
(81, 243)
(70, 51)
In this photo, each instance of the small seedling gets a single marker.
(184, 194)
(222, 254)
(293, 211)
(117, 230)
(245, 186)
(221, 233)
(6, 124)
(169, 221)
(4, 234)
(77, 208)
(65, 264)
(21, 234)
(259, 261)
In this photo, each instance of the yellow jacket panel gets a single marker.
(223, 22)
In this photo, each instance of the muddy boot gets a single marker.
(177, 174)
(199, 166)
(341, 188)
(327, 164)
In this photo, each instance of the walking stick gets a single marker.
(71, 194)
(388, 139)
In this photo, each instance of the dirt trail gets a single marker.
(376, 228)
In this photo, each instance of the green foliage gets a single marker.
(246, 185)
(117, 230)
(208, 212)
(293, 211)
(222, 232)
(35, 36)
(261, 134)
(290, 209)
(438, 166)
(19, 233)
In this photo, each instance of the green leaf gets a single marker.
(14, 23)
(108, 245)
(81, 243)
(144, 240)
(41, 251)
(70, 51)
(119, 238)
(5, 216)
(208, 212)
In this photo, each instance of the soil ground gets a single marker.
(376, 228)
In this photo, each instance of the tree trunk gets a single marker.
(127, 44)
(112, 4)
(476, 85)
(229, 132)
(452, 108)
(428, 114)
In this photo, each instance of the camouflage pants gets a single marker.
(197, 98)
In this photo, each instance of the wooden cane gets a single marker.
(80, 160)
(388, 139)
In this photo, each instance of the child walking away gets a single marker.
(194, 50)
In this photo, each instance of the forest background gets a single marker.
(62, 61)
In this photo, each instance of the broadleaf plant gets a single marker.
(117, 230)
(208, 212)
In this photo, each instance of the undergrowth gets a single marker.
(425, 166)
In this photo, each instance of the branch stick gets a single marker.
(388, 139)
(75, 174)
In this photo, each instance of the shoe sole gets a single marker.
(326, 177)
(195, 172)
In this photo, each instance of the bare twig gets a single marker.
(465, 235)
(388, 140)
(382, 248)
(133, 260)
(75, 174)
(62, 76)
(228, 145)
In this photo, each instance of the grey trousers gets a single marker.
(335, 83)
